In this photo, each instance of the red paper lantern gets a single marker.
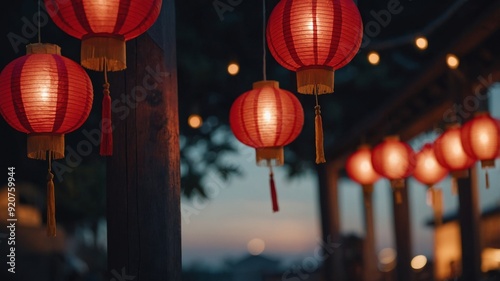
(450, 152)
(359, 167)
(481, 140)
(394, 160)
(46, 96)
(428, 171)
(315, 38)
(103, 27)
(267, 118)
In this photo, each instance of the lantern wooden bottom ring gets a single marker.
(39, 144)
(315, 78)
(100, 51)
(270, 156)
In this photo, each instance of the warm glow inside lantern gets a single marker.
(46, 96)
(315, 38)
(359, 167)
(394, 160)
(481, 139)
(267, 118)
(428, 171)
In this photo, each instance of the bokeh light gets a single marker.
(418, 262)
(195, 121)
(452, 61)
(233, 69)
(373, 58)
(421, 42)
(256, 246)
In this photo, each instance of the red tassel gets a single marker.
(274, 196)
(106, 124)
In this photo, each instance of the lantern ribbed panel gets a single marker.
(450, 152)
(359, 167)
(266, 117)
(45, 93)
(314, 33)
(481, 137)
(428, 171)
(393, 159)
(81, 18)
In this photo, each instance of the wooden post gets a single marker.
(370, 270)
(328, 176)
(403, 236)
(143, 175)
(469, 217)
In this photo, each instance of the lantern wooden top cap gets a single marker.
(43, 48)
(266, 83)
(481, 113)
(392, 138)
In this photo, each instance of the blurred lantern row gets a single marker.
(46, 95)
(313, 39)
(454, 152)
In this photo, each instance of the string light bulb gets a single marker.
(421, 42)
(373, 58)
(452, 61)
(195, 121)
(233, 68)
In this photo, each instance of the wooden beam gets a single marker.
(370, 262)
(469, 217)
(143, 175)
(402, 233)
(328, 176)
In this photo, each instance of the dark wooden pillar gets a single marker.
(143, 175)
(469, 217)
(370, 270)
(328, 176)
(403, 236)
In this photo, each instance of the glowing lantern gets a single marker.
(104, 27)
(46, 96)
(481, 140)
(451, 155)
(394, 160)
(428, 171)
(359, 167)
(315, 38)
(267, 118)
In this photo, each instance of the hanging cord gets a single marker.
(274, 195)
(106, 124)
(39, 23)
(487, 178)
(51, 201)
(318, 128)
(264, 71)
